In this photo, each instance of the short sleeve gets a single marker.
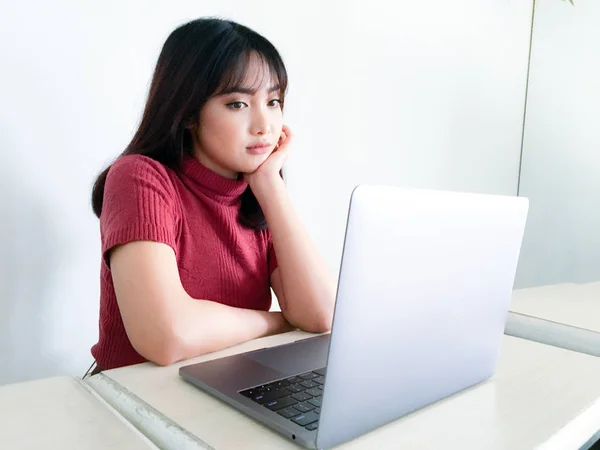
(271, 256)
(139, 204)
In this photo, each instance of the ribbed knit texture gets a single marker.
(195, 212)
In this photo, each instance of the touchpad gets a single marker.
(297, 357)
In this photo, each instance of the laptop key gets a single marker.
(302, 396)
(306, 419)
(320, 380)
(308, 376)
(250, 393)
(317, 410)
(294, 380)
(321, 372)
(304, 407)
(315, 401)
(312, 426)
(288, 413)
(281, 403)
(315, 392)
(295, 388)
(271, 395)
(262, 390)
(282, 383)
(308, 384)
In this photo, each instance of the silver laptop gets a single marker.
(423, 294)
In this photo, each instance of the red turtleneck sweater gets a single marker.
(195, 212)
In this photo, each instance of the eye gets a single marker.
(274, 102)
(236, 105)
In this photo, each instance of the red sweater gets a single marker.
(195, 212)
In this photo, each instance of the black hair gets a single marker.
(199, 59)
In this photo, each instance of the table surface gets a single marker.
(576, 305)
(540, 397)
(62, 413)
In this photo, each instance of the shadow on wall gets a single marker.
(29, 255)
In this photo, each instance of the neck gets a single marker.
(208, 162)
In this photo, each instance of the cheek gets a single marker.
(221, 129)
(277, 122)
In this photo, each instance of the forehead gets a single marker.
(251, 73)
(258, 74)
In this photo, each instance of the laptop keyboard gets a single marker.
(296, 398)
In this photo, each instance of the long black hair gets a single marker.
(198, 60)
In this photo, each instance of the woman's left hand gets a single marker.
(268, 172)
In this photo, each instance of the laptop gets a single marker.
(424, 287)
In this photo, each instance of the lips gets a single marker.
(258, 149)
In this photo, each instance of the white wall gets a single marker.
(426, 93)
(561, 152)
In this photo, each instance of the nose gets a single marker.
(260, 125)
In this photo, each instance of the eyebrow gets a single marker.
(242, 90)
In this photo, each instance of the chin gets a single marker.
(253, 163)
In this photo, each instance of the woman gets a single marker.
(188, 258)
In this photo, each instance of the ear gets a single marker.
(192, 123)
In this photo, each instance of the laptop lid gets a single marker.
(423, 294)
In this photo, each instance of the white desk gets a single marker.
(541, 397)
(564, 315)
(62, 413)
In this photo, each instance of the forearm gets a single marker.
(203, 326)
(163, 323)
(308, 286)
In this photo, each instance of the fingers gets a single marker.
(286, 135)
(280, 155)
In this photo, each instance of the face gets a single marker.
(237, 131)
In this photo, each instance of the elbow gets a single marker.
(171, 349)
(324, 320)
(163, 349)
(164, 357)
(323, 326)
(321, 323)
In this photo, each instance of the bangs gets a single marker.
(271, 73)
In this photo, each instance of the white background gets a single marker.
(423, 93)
(561, 154)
